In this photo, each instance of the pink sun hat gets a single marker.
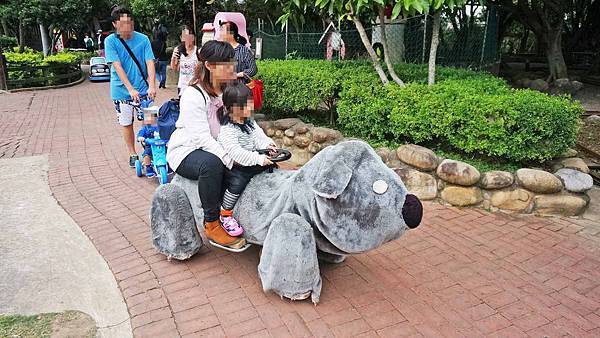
(235, 17)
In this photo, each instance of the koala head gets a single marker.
(359, 203)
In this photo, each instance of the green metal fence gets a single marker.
(473, 46)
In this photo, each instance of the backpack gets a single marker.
(167, 116)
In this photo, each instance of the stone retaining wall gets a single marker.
(303, 140)
(430, 177)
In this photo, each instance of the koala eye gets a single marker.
(380, 187)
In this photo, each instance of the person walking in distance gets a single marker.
(132, 73)
(89, 43)
(100, 43)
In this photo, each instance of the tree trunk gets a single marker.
(365, 40)
(3, 72)
(435, 41)
(556, 60)
(540, 44)
(96, 24)
(5, 27)
(21, 37)
(44, 34)
(194, 14)
(386, 51)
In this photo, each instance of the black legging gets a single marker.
(208, 169)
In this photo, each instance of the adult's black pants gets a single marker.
(208, 169)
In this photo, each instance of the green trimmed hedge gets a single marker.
(7, 42)
(298, 85)
(31, 69)
(474, 113)
(31, 57)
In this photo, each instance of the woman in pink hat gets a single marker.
(245, 63)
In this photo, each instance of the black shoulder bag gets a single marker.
(135, 60)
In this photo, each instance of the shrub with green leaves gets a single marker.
(28, 57)
(7, 42)
(517, 125)
(34, 58)
(472, 112)
(63, 57)
(298, 85)
(83, 57)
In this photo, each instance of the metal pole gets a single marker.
(484, 37)
(424, 39)
(286, 40)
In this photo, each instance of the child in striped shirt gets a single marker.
(240, 136)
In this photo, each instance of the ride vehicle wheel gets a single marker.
(138, 168)
(163, 176)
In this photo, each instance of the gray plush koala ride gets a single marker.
(345, 200)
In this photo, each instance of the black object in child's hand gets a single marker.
(279, 156)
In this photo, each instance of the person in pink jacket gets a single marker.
(193, 151)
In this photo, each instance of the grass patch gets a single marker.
(67, 324)
(27, 326)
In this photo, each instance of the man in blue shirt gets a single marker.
(128, 83)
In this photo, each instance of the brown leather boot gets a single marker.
(219, 236)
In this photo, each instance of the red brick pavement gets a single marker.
(462, 273)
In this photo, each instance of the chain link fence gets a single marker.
(473, 45)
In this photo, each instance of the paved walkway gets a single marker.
(48, 264)
(462, 273)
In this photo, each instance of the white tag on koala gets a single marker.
(380, 187)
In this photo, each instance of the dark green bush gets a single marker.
(37, 70)
(364, 104)
(474, 113)
(517, 125)
(293, 86)
(7, 42)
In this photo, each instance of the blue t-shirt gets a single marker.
(115, 51)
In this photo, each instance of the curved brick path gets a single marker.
(462, 273)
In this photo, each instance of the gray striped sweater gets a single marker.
(241, 147)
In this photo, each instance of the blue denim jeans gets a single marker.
(161, 72)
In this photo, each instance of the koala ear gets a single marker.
(332, 180)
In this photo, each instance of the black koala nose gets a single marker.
(412, 211)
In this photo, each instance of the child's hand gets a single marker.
(272, 149)
(266, 162)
